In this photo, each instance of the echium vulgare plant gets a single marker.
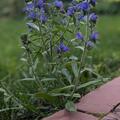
(57, 46)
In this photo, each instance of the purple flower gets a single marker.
(62, 48)
(31, 15)
(29, 7)
(58, 4)
(70, 11)
(40, 3)
(89, 44)
(83, 6)
(43, 18)
(79, 36)
(94, 36)
(93, 17)
(81, 17)
(93, 2)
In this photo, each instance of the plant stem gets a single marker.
(82, 57)
(51, 46)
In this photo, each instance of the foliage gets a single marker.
(45, 47)
(108, 7)
(56, 52)
(48, 83)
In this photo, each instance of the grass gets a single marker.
(109, 28)
(108, 50)
(10, 51)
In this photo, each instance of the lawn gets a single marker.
(10, 51)
(109, 28)
(107, 51)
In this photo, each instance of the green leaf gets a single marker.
(29, 107)
(35, 64)
(78, 0)
(23, 59)
(75, 95)
(45, 96)
(58, 90)
(33, 26)
(75, 69)
(60, 28)
(72, 40)
(26, 79)
(70, 106)
(88, 84)
(91, 71)
(73, 58)
(80, 47)
(25, 101)
(66, 73)
(48, 79)
(83, 23)
(2, 91)
(8, 109)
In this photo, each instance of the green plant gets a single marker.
(58, 66)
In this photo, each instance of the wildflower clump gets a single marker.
(57, 47)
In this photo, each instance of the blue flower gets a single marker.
(40, 3)
(43, 18)
(79, 36)
(83, 6)
(62, 48)
(94, 36)
(93, 17)
(81, 17)
(29, 7)
(31, 15)
(70, 11)
(89, 44)
(58, 4)
(93, 2)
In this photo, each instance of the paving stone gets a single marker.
(100, 100)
